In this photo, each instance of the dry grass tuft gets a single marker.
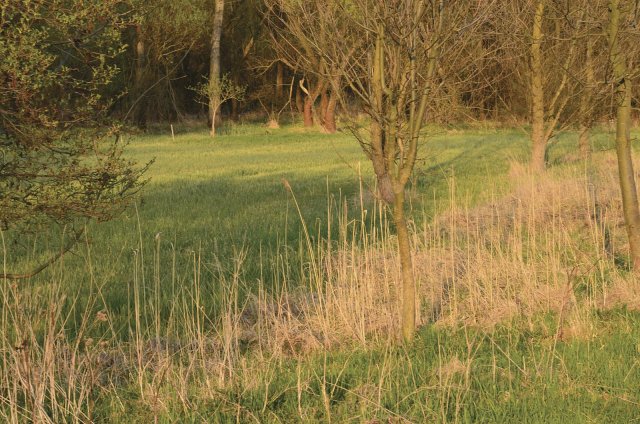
(454, 367)
(623, 291)
(273, 124)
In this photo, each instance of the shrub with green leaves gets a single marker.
(61, 158)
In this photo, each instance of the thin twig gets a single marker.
(47, 263)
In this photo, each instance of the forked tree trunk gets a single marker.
(214, 62)
(385, 186)
(311, 95)
(212, 129)
(393, 194)
(538, 136)
(623, 137)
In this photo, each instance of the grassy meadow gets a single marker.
(224, 296)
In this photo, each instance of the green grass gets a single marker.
(215, 197)
(209, 199)
(219, 195)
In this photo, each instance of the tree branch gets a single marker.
(47, 263)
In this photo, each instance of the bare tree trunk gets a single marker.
(307, 113)
(299, 101)
(235, 113)
(214, 63)
(623, 137)
(393, 193)
(538, 136)
(385, 186)
(330, 114)
(279, 80)
(324, 100)
(311, 95)
(584, 140)
(408, 283)
(140, 115)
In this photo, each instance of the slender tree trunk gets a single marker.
(140, 114)
(279, 80)
(214, 62)
(235, 112)
(392, 191)
(584, 140)
(538, 136)
(623, 137)
(299, 100)
(408, 283)
(385, 186)
(213, 123)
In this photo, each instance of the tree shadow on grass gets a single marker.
(198, 228)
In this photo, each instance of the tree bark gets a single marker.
(312, 91)
(538, 136)
(623, 137)
(385, 185)
(307, 113)
(324, 101)
(408, 282)
(214, 62)
(392, 190)
(330, 114)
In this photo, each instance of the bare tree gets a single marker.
(302, 52)
(620, 56)
(587, 104)
(544, 42)
(550, 80)
(390, 55)
(214, 64)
